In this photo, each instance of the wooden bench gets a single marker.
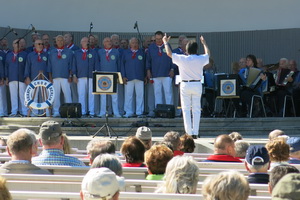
(68, 183)
(123, 195)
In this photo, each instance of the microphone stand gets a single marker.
(88, 70)
(136, 26)
(11, 30)
(18, 71)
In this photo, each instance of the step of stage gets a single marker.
(209, 127)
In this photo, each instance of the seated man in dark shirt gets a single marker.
(257, 162)
(224, 150)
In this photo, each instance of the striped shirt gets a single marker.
(55, 157)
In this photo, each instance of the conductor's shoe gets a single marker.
(195, 136)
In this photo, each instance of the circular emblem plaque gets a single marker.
(104, 83)
(228, 87)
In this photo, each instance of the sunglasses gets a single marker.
(40, 43)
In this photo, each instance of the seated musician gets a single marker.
(296, 86)
(284, 81)
(250, 88)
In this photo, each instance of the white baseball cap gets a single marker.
(99, 183)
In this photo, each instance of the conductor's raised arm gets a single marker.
(167, 47)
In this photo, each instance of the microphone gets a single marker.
(135, 25)
(12, 30)
(91, 25)
(33, 28)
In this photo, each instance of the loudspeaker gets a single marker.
(70, 110)
(165, 111)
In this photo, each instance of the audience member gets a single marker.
(294, 143)
(19, 147)
(187, 143)
(181, 176)
(101, 183)
(275, 133)
(241, 147)
(279, 152)
(174, 138)
(109, 161)
(288, 188)
(34, 140)
(278, 172)
(2, 144)
(235, 136)
(98, 146)
(4, 192)
(52, 140)
(224, 150)
(133, 150)
(145, 135)
(257, 163)
(66, 146)
(228, 185)
(156, 159)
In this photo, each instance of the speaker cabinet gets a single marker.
(70, 110)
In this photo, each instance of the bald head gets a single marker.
(275, 133)
(224, 145)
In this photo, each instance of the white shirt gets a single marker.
(190, 66)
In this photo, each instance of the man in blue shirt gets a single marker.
(59, 68)
(52, 139)
(84, 63)
(133, 73)
(159, 67)
(14, 73)
(109, 61)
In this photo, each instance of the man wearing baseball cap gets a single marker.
(257, 162)
(145, 135)
(294, 143)
(52, 141)
(288, 188)
(101, 183)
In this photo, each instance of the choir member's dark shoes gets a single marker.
(195, 136)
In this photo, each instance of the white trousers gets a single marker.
(3, 101)
(82, 87)
(13, 89)
(61, 84)
(190, 94)
(150, 98)
(115, 105)
(136, 86)
(164, 83)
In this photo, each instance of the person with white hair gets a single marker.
(101, 183)
(181, 176)
(133, 73)
(226, 185)
(60, 72)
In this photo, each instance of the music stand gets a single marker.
(227, 88)
(106, 83)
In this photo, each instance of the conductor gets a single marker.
(190, 71)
